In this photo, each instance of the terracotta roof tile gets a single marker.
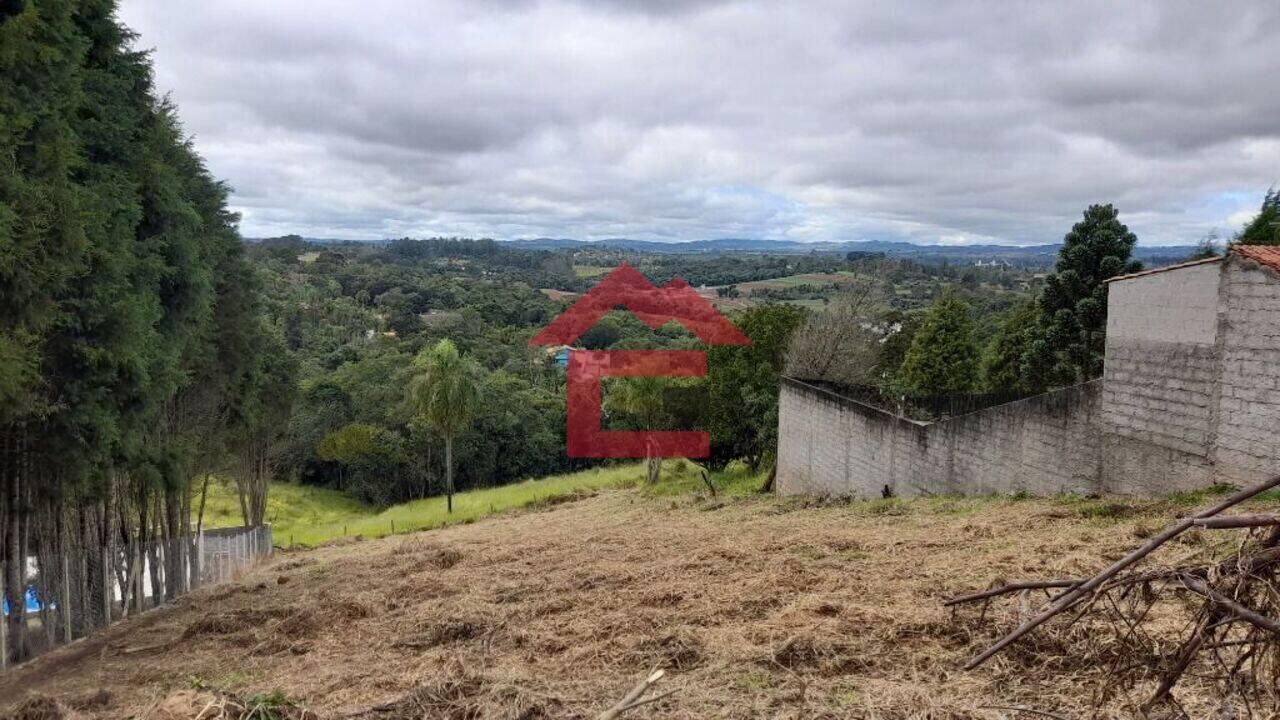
(1261, 254)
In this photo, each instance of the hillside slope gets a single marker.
(758, 606)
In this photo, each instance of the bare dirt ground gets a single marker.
(758, 608)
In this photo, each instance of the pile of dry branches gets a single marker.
(1208, 619)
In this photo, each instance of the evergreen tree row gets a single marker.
(134, 358)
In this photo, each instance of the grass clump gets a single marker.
(291, 509)
(682, 477)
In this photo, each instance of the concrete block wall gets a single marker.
(1247, 438)
(832, 445)
(1161, 393)
(1162, 359)
(1043, 445)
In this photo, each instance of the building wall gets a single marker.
(1247, 442)
(831, 445)
(1162, 358)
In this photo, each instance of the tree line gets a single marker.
(1055, 338)
(135, 356)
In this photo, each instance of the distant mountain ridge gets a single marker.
(1010, 253)
(1014, 254)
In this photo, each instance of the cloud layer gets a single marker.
(974, 122)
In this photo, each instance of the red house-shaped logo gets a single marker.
(656, 306)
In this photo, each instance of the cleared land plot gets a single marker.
(788, 281)
(590, 271)
(826, 283)
(758, 607)
(554, 294)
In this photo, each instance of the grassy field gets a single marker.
(590, 271)
(290, 508)
(303, 515)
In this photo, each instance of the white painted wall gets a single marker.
(1171, 306)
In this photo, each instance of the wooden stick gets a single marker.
(1070, 597)
(632, 699)
(1195, 585)
(1237, 521)
(1033, 711)
(1011, 587)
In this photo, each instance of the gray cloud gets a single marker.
(972, 122)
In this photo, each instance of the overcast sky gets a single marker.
(985, 122)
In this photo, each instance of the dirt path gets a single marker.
(759, 608)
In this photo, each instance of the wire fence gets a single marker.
(70, 595)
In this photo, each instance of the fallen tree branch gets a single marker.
(1183, 660)
(1014, 708)
(1011, 587)
(1252, 617)
(1072, 596)
(633, 700)
(1237, 521)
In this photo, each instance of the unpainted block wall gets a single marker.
(1162, 359)
(831, 445)
(1247, 443)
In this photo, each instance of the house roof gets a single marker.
(1262, 254)
(1166, 268)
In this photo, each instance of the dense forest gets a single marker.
(359, 317)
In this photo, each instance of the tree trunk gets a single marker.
(174, 503)
(426, 473)
(448, 470)
(653, 470)
(194, 547)
(14, 562)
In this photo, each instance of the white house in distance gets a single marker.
(1190, 397)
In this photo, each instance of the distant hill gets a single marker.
(1021, 255)
(1017, 255)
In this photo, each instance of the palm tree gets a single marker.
(641, 398)
(445, 393)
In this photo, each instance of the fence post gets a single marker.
(66, 596)
(184, 566)
(108, 592)
(4, 628)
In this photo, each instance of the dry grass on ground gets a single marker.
(758, 607)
